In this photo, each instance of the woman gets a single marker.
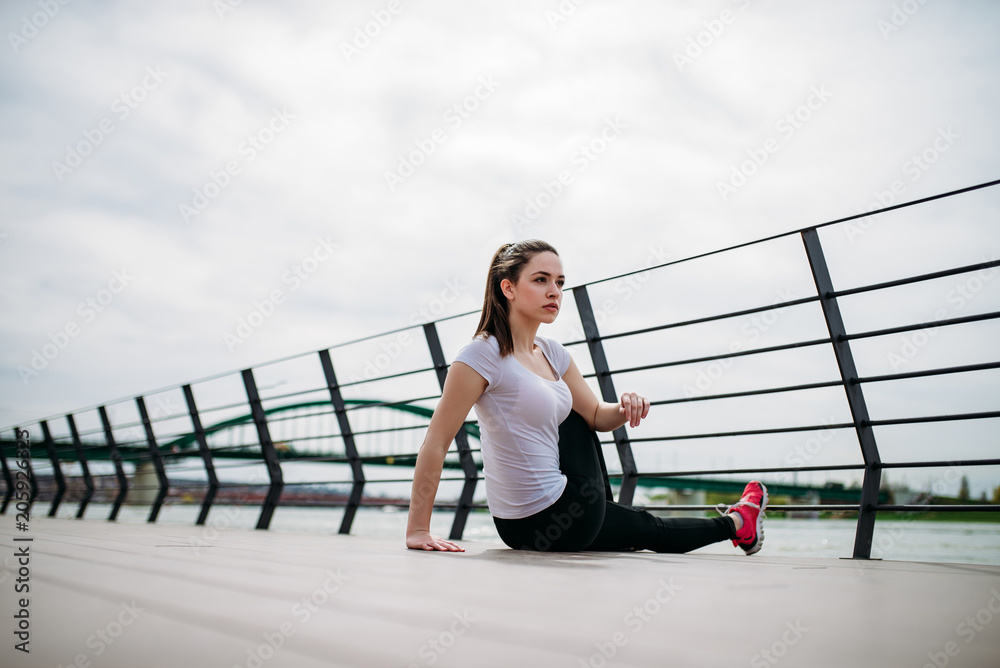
(544, 483)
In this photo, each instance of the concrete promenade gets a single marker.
(144, 596)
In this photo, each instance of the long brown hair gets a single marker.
(507, 262)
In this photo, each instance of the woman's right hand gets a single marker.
(425, 540)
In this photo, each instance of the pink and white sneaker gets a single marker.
(751, 507)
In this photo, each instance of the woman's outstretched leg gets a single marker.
(626, 528)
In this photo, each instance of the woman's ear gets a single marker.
(506, 287)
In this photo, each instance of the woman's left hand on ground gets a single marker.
(633, 407)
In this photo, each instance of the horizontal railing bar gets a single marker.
(253, 461)
(437, 506)
(367, 481)
(87, 432)
(389, 377)
(289, 395)
(186, 483)
(387, 430)
(224, 407)
(321, 459)
(382, 404)
(124, 425)
(943, 371)
(750, 393)
(405, 504)
(228, 465)
(957, 462)
(770, 508)
(944, 273)
(253, 448)
(286, 416)
(747, 432)
(985, 415)
(86, 446)
(133, 456)
(710, 358)
(181, 415)
(314, 437)
(782, 469)
(338, 458)
(368, 458)
(341, 459)
(167, 437)
(175, 470)
(711, 318)
(578, 342)
(989, 507)
(349, 482)
(923, 325)
(194, 454)
(66, 441)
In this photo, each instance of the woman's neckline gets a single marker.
(547, 361)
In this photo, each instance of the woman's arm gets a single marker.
(462, 388)
(601, 415)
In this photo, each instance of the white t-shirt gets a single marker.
(519, 416)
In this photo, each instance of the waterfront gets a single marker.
(895, 538)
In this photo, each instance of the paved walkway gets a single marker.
(142, 596)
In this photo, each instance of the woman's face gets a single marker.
(538, 292)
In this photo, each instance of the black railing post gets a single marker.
(855, 396)
(461, 439)
(267, 449)
(350, 448)
(50, 447)
(605, 382)
(206, 456)
(116, 457)
(8, 477)
(81, 456)
(154, 454)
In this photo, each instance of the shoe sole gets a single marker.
(757, 544)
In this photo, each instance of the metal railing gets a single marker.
(183, 449)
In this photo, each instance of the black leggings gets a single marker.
(584, 517)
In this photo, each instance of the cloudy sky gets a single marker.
(346, 168)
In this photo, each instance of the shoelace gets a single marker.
(719, 507)
(723, 509)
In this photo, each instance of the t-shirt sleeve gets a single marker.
(483, 355)
(559, 356)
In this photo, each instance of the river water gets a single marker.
(895, 539)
